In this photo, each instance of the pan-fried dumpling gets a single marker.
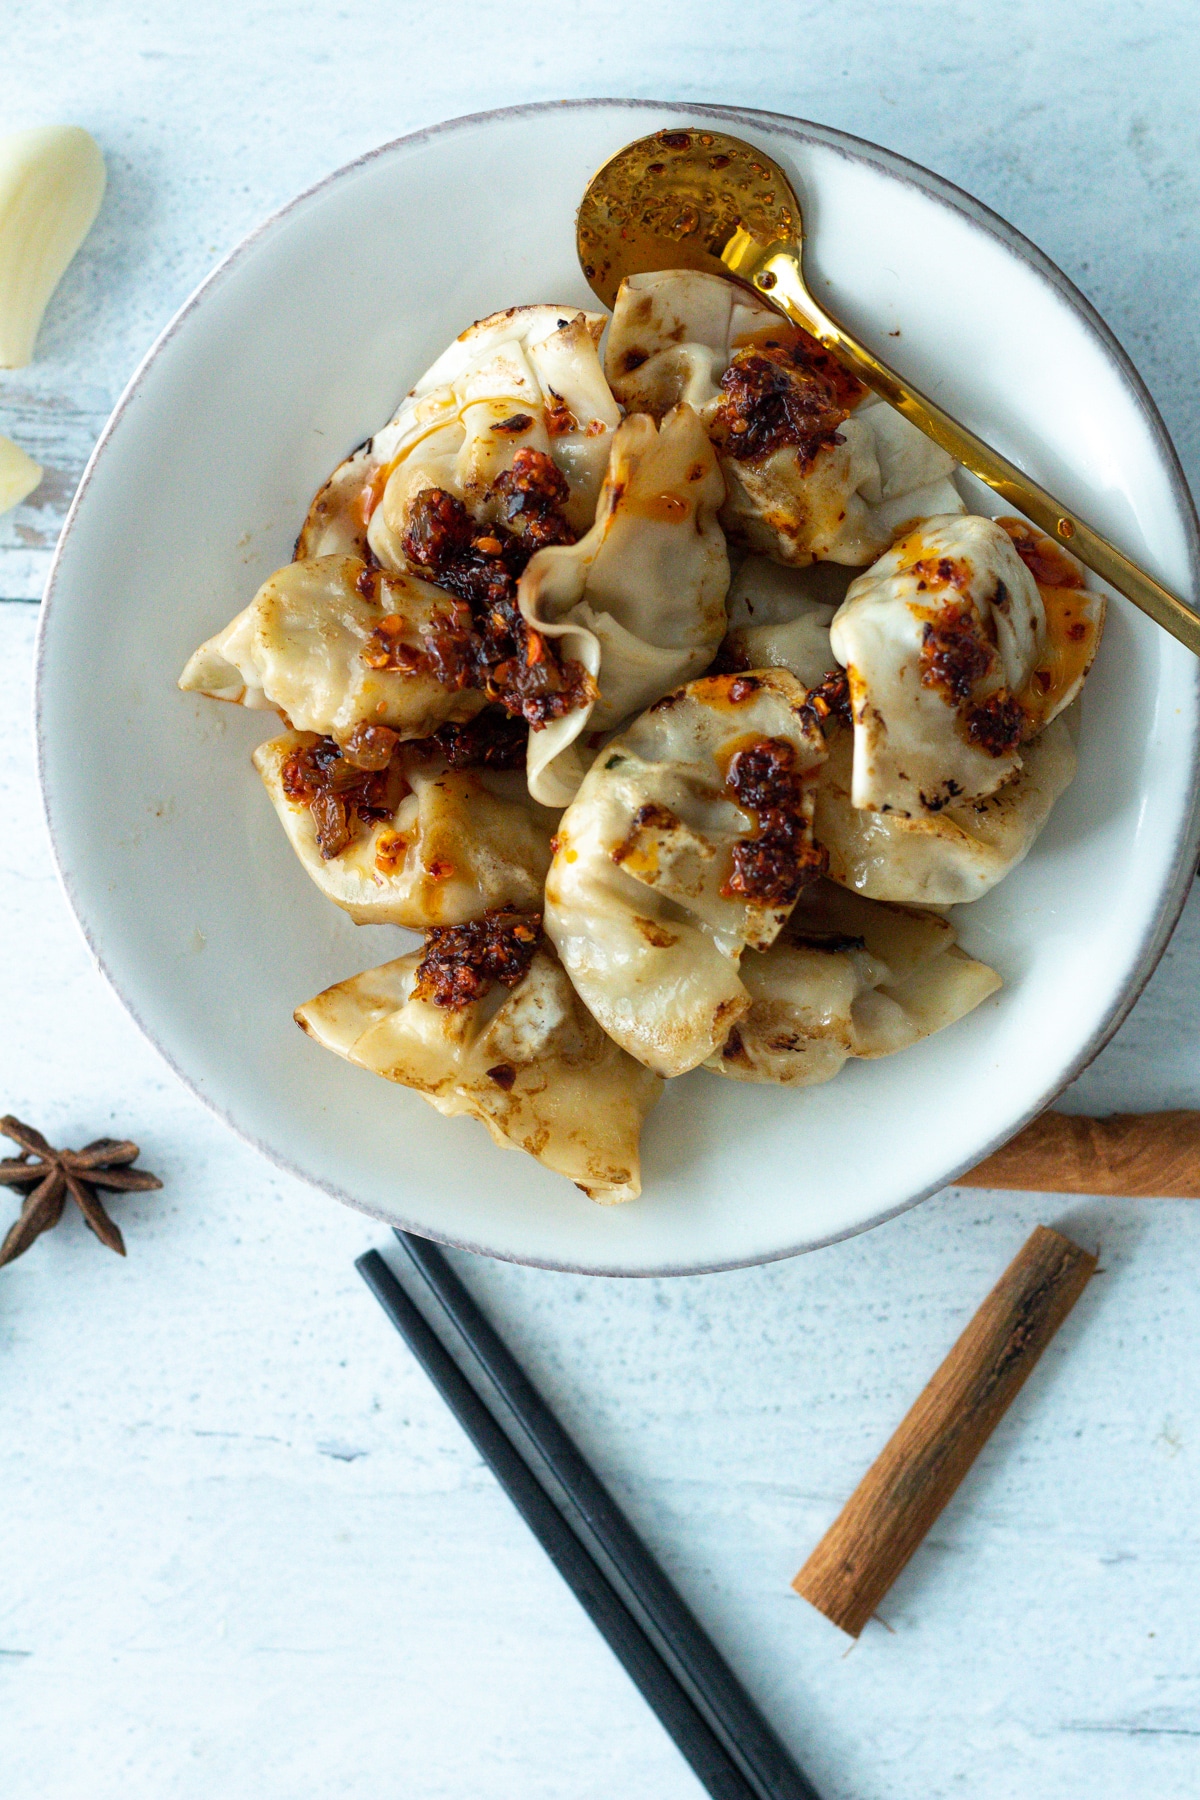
(945, 858)
(641, 599)
(527, 1059)
(937, 639)
(1074, 624)
(529, 376)
(952, 662)
(779, 618)
(816, 467)
(847, 977)
(415, 842)
(689, 839)
(336, 647)
(836, 493)
(526, 379)
(473, 538)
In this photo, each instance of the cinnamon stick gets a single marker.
(1138, 1155)
(918, 1470)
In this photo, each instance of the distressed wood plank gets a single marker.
(58, 429)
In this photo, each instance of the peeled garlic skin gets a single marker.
(51, 185)
(19, 475)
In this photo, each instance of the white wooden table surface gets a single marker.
(244, 1551)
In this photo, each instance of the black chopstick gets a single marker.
(603, 1527)
(698, 1743)
(610, 1539)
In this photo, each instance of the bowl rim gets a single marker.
(911, 174)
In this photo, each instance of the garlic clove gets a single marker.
(19, 475)
(51, 185)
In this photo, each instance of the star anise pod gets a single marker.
(57, 1173)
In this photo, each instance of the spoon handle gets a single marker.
(787, 292)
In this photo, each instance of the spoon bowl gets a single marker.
(701, 199)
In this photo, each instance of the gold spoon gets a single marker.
(692, 199)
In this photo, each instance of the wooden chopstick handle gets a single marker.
(920, 1467)
(1137, 1155)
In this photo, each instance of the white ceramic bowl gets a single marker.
(296, 348)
